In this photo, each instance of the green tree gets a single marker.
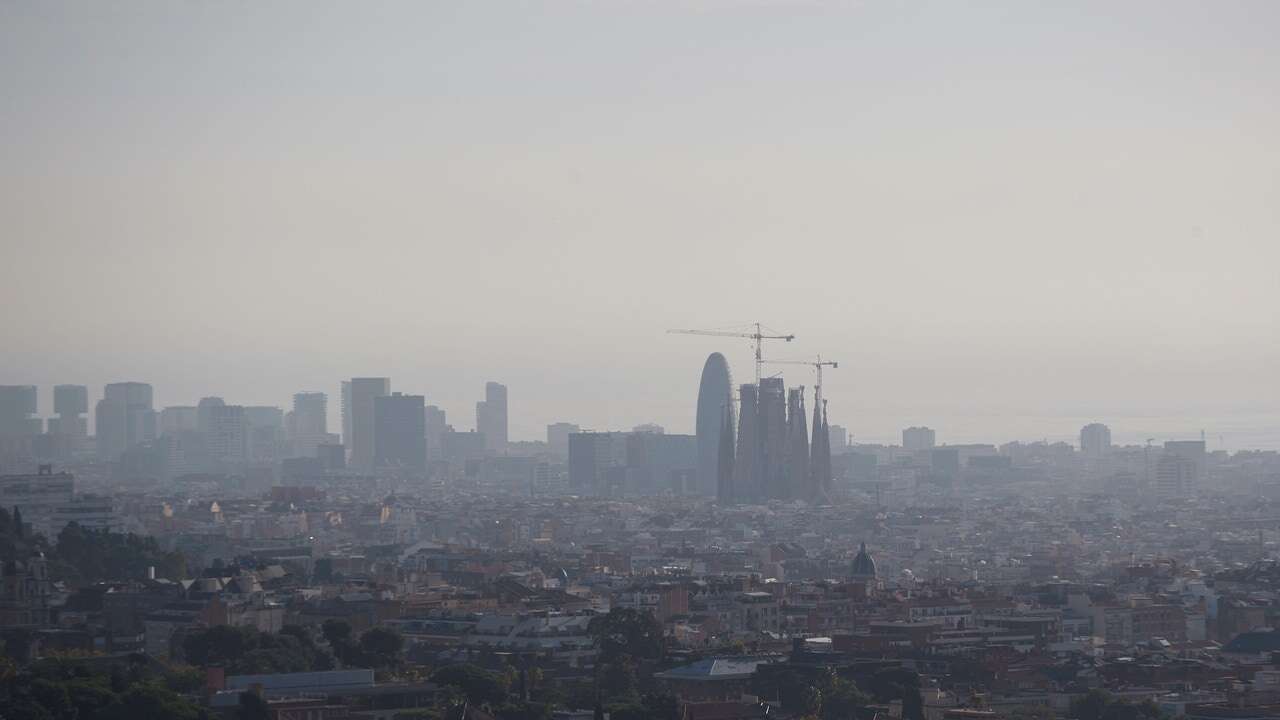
(149, 700)
(480, 686)
(899, 684)
(219, 645)
(624, 631)
(381, 646)
(841, 698)
(252, 707)
(619, 681)
(1091, 706)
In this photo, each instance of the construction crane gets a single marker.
(759, 336)
(817, 366)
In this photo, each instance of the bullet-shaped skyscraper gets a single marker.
(714, 402)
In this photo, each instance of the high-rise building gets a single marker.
(400, 436)
(491, 417)
(70, 407)
(123, 418)
(771, 416)
(597, 461)
(1095, 440)
(714, 396)
(308, 424)
(264, 425)
(178, 419)
(436, 424)
(345, 403)
(1181, 468)
(658, 463)
(225, 431)
(839, 439)
(918, 438)
(725, 493)
(18, 410)
(363, 392)
(799, 481)
(747, 460)
(310, 414)
(558, 437)
(820, 465)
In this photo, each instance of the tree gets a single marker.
(252, 707)
(618, 680)
(624, 631)
(841, 698)
(148, 700)
(219, 645)
(1091, 705)
(479, 685)
(899, 684)
(336, 632)
(381, 646)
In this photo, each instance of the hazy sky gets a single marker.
(1000, 217)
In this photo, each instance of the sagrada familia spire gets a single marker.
(764, 451)
(820, 462)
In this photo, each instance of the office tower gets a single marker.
(1095, 440)
(597, 462)
(363, 392)
(724, 458)
(400, 433)
(771, 416)
(310, 414)
(345, 401)
(178, 419)
(460, 448)
(264, 426)
(918, 438)
(436, 426)
(839, 439)
(123, 418)
(714, 395)
(1181, 468)
(308, 423)
(18, 410)
(658, 463)
(224, 430)
(799, 481)
(558, 437)
(491, 416)
(70, 407)
(746, 462)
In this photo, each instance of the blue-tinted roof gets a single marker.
(715, 669)
(1254, 642)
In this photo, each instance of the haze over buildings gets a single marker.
(340, 378)
(1083, 180)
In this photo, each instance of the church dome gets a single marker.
(864, 566)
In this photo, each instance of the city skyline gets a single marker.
(1011, 211)
(1241, 432)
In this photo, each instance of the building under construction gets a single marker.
(774, 457)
